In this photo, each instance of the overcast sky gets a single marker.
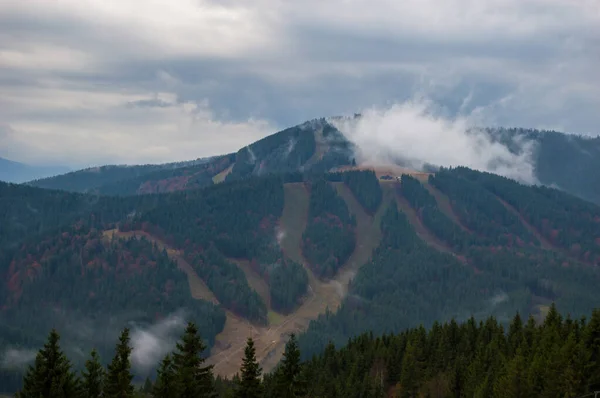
(128, 81)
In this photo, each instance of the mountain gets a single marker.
(18, 172)
(315, 145)
(560, 160)
(94, 179)
(331, 255)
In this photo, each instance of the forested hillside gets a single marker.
(495, 263)
(561, 160)
(329, 239)
(457, 244)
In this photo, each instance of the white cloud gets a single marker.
(118, 127)
(415, 133)
(151, 344)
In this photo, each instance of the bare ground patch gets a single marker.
(545, 243)
(255, 281)
(198, 288)
(444, 205)
(220, 177)
(419, 227)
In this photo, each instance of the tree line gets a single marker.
(559, 357)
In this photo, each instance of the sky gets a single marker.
(125, 81)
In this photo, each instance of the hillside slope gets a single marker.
(481, 245)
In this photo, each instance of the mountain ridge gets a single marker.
(318, 146)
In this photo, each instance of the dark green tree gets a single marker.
(119, 377)
(51, 374)
(289, 383)
(250, 383)
(92, 377)
(192, 379)
(165, 380)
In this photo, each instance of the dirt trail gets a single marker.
(255, 281)
(444, 205)
(198, 288)
(420, 229)
(545, 243)
(321, 148)
(220, 177)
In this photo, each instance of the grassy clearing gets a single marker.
(368, 233)
(444, 205)
(417, 224)
(255, 281)
(218, 178)
(320, 149)
(293, 220)
(275, 318)
(545, 243)
(198, 288)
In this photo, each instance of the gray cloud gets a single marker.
(146, 82)
(14, 358)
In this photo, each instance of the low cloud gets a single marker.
(416, 133)
(499, 298)
(14, 358)
(151, 344)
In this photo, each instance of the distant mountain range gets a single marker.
(19, 172)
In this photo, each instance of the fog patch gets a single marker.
(252, 155)
(151, 344)
(290, 147)
(280, 235)
(416, 133)
(499, 298)
(15, 358)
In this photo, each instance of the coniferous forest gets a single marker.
(456, 245)
(557, 358)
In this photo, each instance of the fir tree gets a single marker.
(92, 377)
(192, 379)
(51, 374)
(289, 383)
(118, 378)
(165, 380)
(513, 383)
(250, 384)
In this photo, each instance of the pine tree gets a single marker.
(165, 380)
(192, 379)
(513, 383)
(118, 378)
(289, 383)
(51, 374)
(92, 377)
(250, 384)
(411, 370)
